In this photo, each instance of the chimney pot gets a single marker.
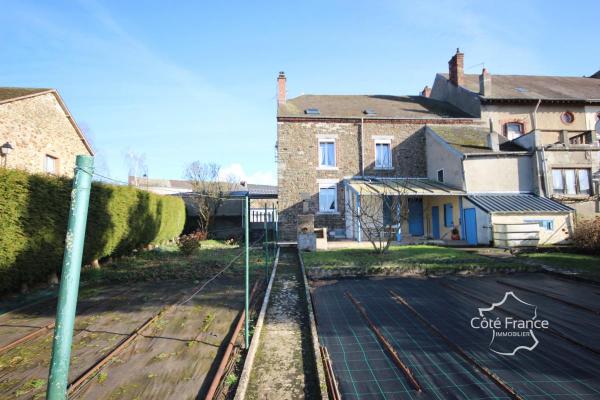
(281, 92)
(456, 68)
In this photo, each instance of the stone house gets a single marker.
(41, 131)
(327, 145)
(555, 118)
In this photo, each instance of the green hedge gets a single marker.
(33, 223)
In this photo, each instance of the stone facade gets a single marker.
(37, 127)
(299, 174)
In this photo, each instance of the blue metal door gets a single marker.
(470, 226)
(435, 222)
(415, 217)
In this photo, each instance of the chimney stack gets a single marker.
(281, 88)
(426, 92)
(485, 83)
(456, 68)
(493, 141)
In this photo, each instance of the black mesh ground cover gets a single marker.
(587, 295)
(555, 369)
(576, 324)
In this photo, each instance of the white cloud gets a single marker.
(258, 177)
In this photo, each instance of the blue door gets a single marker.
(470, 226)
(415, 217)
(435, 222)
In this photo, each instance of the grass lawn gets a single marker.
(167, 262)
(568, 261)
(429, 257)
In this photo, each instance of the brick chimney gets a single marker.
(281, 88)
(456, 68)
(485, 83)
(426, 92)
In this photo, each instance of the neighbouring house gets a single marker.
(555, 118)
(228, 221)
(39, 132)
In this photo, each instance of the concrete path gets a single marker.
(284, 367)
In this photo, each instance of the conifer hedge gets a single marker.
(33, 223)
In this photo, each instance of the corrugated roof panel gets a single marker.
(517, 203)
(407, 186)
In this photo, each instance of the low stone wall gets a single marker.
(316, 273)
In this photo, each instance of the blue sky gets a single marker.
(182, 81)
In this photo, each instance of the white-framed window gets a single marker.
(327, 198)
(327, 153)
(513, 130)
(51, 164)
(571, 181)
(383, 154)
(440, 175)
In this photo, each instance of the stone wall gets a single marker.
(299, 174)
(36, 127)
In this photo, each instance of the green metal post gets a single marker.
(266, 246)
(247, 277)
(276, 217)
(69, 283)
(274, 228)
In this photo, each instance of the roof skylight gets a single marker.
(369, 111)
(312, 111)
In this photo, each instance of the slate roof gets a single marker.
(472, 139)
(11, 93)
(534, 87)
(354, 106)
(517, 203)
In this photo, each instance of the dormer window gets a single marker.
(513, 130)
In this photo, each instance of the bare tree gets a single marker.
(210, 189)
(380, 215)
(136, 163)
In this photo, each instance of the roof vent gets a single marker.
(521, 90)
(312, 111)
(369, 111)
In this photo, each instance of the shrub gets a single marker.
(33, 223)
(188, 244)
(587, 235)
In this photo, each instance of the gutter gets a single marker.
(498, 154)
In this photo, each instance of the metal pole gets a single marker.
(69, 283)
(266, 246)
(247, 277)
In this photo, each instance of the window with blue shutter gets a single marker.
(448, 215)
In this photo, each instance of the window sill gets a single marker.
(384, 168)
(320, 168)
(328, 213)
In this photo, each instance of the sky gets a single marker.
(174, 82)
